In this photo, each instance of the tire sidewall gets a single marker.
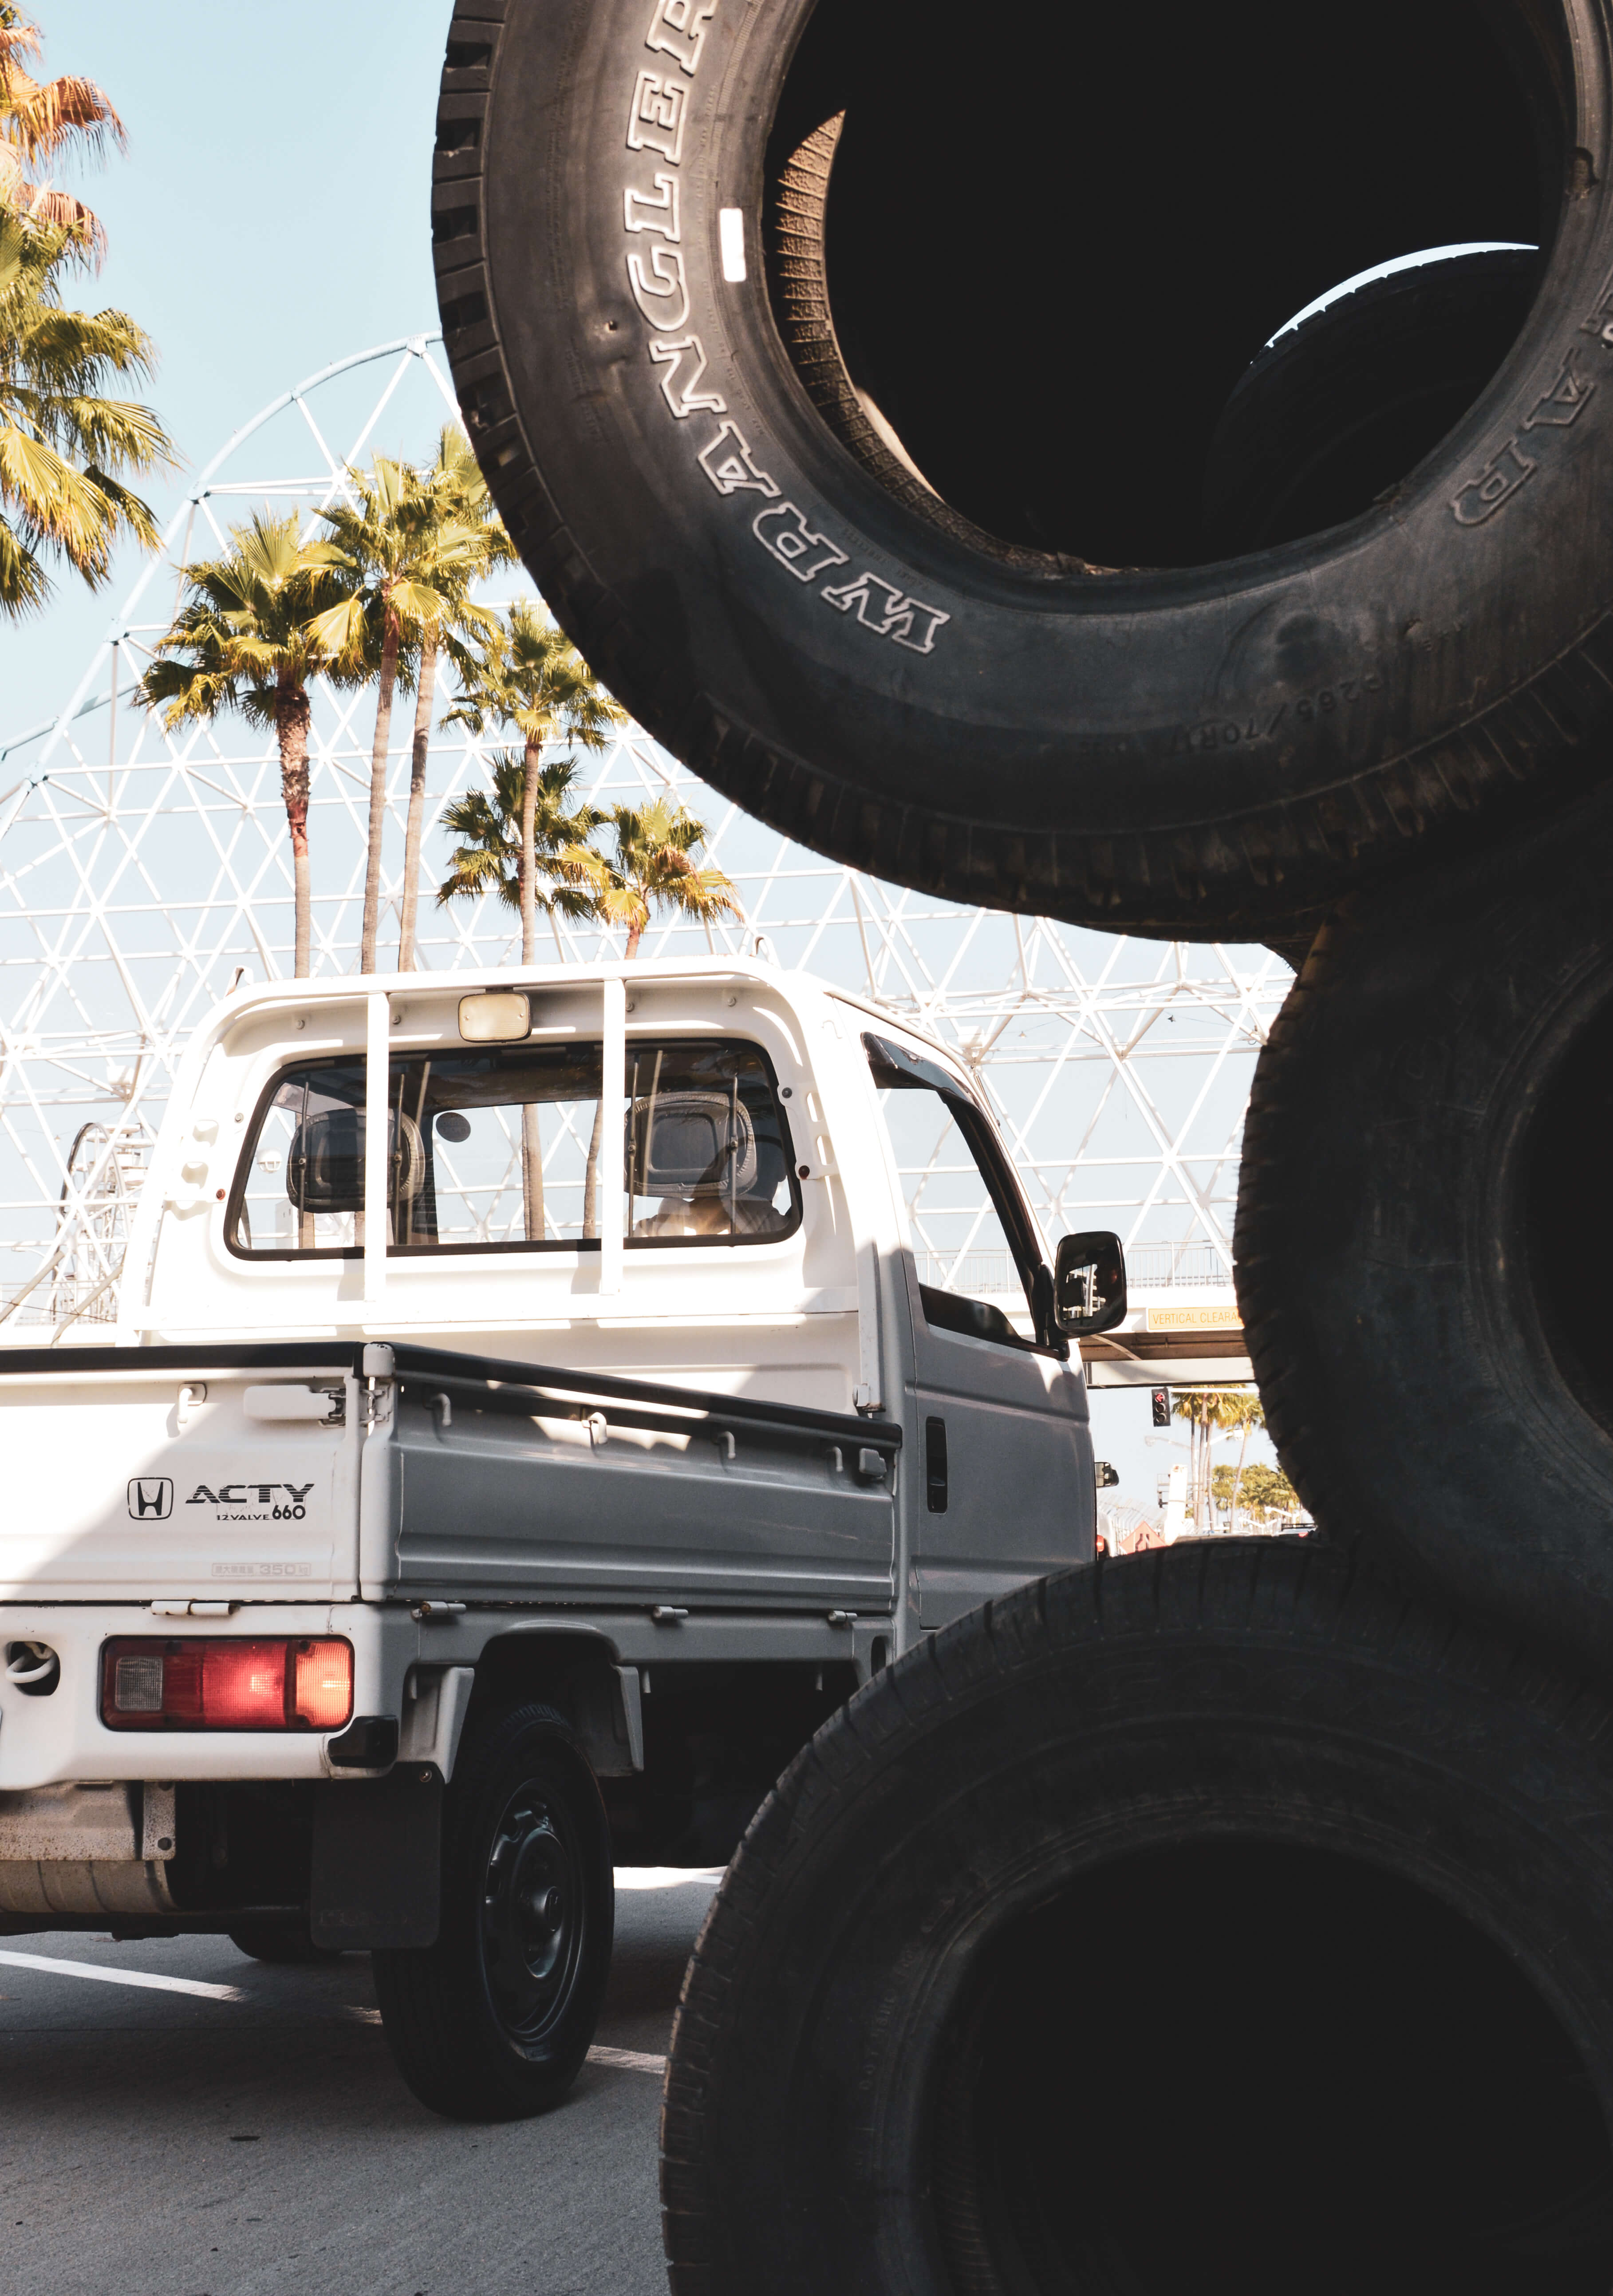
(1237, 691)
(864, 1918)
(1384, 1261)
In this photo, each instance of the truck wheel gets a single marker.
(273, 1943)
(1423, 1249)
(1211, 1918)
(860, 439)
(493, 2022)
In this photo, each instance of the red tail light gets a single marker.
(220, 1682)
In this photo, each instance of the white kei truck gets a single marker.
(526, 1419)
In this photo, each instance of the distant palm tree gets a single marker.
(653, 867)
(456, 482)
(527, 828)
(1205, 1408)
(63, 445)
(246, 639)
(1242, 1407)
(410, 557)
(530, 679)
(40, 119)
(489, 858)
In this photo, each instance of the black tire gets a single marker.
(276, 1942)
(1180, 746)
(1423, 1250)
(1209, 1920)
(1338, 412)
(493, 2022)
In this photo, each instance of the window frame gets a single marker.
(407, 1253)
(1002, 1187)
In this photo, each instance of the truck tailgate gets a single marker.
(140, 1472)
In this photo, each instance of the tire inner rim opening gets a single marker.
(1023, 264)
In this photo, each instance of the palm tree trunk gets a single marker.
(1237, 1478)
(591, 1172)
(414, 828)
(528, 856)
(635, 933)
(531, 1139)
(293, 717)
(378, 800)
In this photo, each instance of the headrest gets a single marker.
(326, 1168)
(685, 1152)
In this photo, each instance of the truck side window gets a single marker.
(500, 1150)
(975, 1250)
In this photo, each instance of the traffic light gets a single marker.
(1162, 1406)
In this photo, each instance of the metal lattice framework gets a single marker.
(142, 873)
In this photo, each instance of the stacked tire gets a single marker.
(1207, 1919)
(799, 399)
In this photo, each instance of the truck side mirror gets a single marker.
(1089, 1283)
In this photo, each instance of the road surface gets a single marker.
(252, 2138)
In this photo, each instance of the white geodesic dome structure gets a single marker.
(141, 874)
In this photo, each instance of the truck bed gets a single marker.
(409, 1473)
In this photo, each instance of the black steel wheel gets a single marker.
(533, 1913)
(494, 2020)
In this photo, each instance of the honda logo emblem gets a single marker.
(150, 1499)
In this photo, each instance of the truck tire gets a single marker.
(1336, 412)
(1423, 1250)
(493, 2022)
(1210, 1918)
(828, 604)
(281, 1943)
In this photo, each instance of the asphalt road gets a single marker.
(156, 2142)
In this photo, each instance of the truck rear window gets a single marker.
(499, 1150)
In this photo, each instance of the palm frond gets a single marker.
(23, 585)
(67, 448)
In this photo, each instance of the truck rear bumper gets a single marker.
(59, 1738)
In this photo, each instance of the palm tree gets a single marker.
(489, 858)
(247, 639)
(455, 481)
(528, 827)
(1205, 1408)
(530, 679)
(39, 120)
(62, 444)
(410, 558)
(1242, 1408)
(652, 868)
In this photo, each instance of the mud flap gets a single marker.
(377, 1873)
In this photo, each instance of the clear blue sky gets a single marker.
(273, 213)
